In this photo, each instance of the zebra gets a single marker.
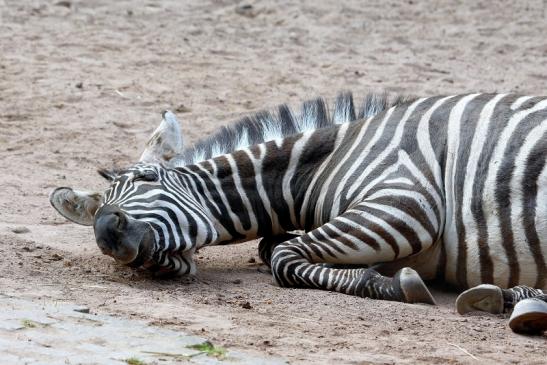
(451, 188)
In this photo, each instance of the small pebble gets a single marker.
(246, 10)
(182, 109)
(237, 281)
(56, 257)
(252, 260)
(20, 229)
(246, 305)
(64, 3)
(82, 309)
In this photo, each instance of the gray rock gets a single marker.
(51, 332)
(20, 229)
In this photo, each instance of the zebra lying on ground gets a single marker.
(452, 187)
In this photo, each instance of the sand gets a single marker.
(83, 83)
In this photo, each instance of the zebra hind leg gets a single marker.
(530, 316)
(529, 305)
(492, 299)
(292, 267)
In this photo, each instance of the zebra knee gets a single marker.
(267, 245)
(265, 251)
(284, 263)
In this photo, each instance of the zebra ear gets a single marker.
(76, 206)
(109, 175)
(166, 141)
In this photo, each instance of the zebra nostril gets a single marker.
(113, 221)
(109, 226)
(118, 220)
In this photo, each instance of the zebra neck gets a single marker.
(258, 191)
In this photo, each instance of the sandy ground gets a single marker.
(82, 84)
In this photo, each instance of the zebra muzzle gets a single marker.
(122, 237)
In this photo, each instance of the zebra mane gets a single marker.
(281, 122)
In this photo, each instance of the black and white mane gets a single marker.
(281, 122)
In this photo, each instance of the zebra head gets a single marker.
(146, 217)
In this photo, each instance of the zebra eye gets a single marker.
(146, 176)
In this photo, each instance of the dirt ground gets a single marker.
(82, 84)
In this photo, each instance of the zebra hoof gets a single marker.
(529, 317)
(413, 288)
(482, 298)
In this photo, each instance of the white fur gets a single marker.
(471, 230)
(450, 235)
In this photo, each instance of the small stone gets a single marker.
(56, 257)
(237, 281)
(246, 305)
(64, 3)
(182, 109)
(20, 229)
(252, 260)
(82, 310)
(246, 10)
(80, 85)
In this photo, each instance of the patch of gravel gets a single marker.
(58, 333)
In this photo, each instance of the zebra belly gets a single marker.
(425, 263)
(508, 246)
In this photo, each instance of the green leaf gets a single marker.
(210, 349)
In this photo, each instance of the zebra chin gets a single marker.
(127, 240)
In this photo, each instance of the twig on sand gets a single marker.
(463, 350)
(120, 93)
(176, 356)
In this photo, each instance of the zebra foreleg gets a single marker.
(176, 264)
(293, 266)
